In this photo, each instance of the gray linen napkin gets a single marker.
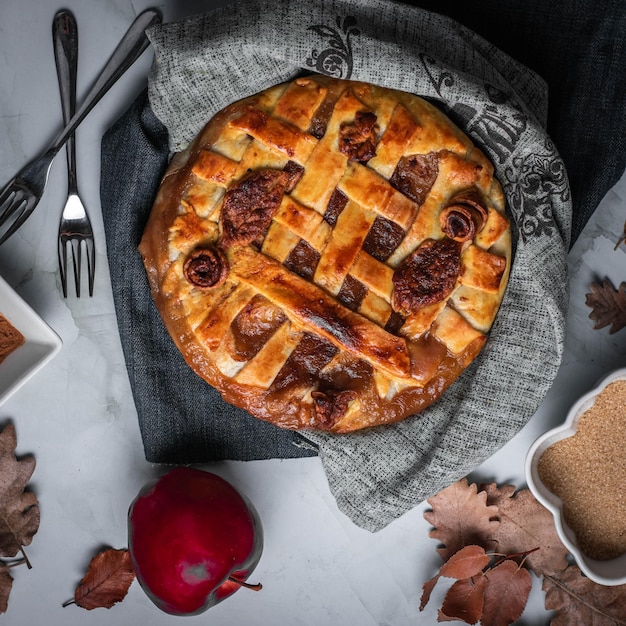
(205, 62)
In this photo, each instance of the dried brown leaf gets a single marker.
(107, 580)
(461, 517)
(465, 563)
(464, 601)
(505, 580)
(19, 510)
(427, 589)
(578, 601)
(442, 617)
(525, 524)
(6, 582)
(608, 305)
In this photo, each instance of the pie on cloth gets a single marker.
(205, 63)
(329, 254)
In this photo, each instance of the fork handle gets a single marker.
(127, 52)
(65, 39)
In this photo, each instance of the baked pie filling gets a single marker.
(329, 254)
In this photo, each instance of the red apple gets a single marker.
(193, 540)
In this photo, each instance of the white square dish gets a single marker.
(41, 343)
(604, 572)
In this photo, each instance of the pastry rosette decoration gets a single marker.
(464, 217)
(329, 254)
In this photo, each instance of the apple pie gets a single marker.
(329, 254)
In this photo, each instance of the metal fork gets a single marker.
(75, 225)
(20, 196)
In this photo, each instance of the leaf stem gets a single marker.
(525, 556)
(25, 558)
(514, 555)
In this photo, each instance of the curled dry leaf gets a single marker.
(525, 524)
(106, 582)
(19, 509)
(578, 601)
(608, 305)
(461, 517)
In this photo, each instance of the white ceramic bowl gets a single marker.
(40, 345)
(609, 572)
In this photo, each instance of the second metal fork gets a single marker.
(20, 196)
(75, 226)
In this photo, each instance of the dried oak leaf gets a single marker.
(6, 582)
(608, 305)
(461, 517)
(578, 601)
(464, 601)
(505, 580)
(525, 524)
(108, 578)
(467, 562)
(19, 510)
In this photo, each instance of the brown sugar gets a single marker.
(10, 338)
(588, 472)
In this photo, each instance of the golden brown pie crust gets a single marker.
(329, 254)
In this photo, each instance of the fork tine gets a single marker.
(74, 242)
(76, 263)
(62, 254)
(26, 205)
(91, 262)
(10, 198)
(6, 193)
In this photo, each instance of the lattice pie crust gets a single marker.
(329, 254)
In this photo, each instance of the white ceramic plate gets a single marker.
(41, 342)
(609, 572)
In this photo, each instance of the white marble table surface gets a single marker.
(78, 419)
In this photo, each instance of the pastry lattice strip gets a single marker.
(258, 140)
(295, 245)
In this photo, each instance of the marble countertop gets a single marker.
(77, 416)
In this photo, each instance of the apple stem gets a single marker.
(243, 583)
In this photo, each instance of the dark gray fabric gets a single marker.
(376, 475)
(181, 418)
